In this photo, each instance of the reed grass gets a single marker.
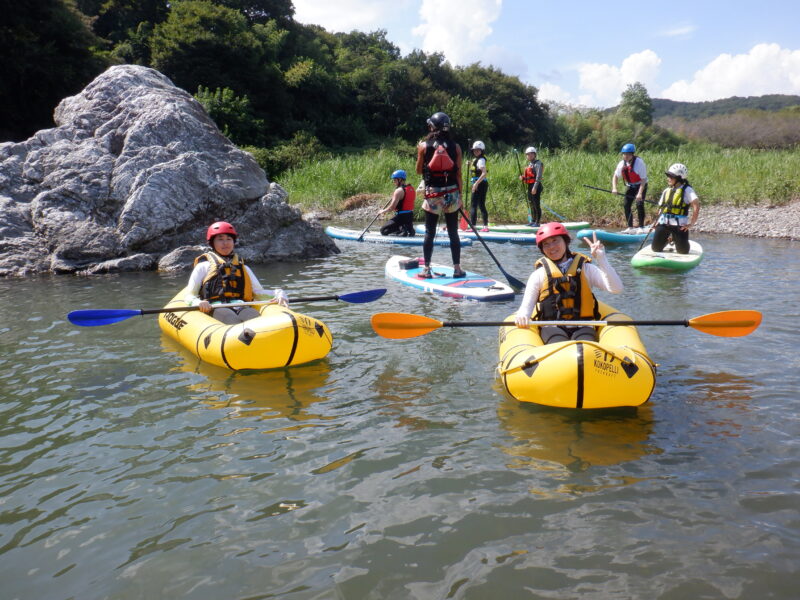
(740, 177)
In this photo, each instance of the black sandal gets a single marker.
(426, 273)
(458, 274)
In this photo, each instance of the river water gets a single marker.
(397, 469)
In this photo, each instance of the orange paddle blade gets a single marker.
(728, 323)
(399, 326)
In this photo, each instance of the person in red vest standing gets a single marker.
(633, 172)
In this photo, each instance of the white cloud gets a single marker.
(766, 69)
(346, 15)
(605, 83)
(555, 93)
(457, 28)
(681, 31)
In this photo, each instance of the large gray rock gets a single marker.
(134, 169)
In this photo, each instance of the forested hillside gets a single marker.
(700, 110)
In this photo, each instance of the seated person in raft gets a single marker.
(221, 277)
(560, 287)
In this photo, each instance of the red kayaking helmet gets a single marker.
(549, 230)
(220, 227)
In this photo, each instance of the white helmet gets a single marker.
(678, 170)
(530, 149)
(478, 145)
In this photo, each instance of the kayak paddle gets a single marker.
(729, 323)
(93, 317)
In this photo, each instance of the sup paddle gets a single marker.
(512, 281)
(375, 218)
(729, 323)
(93, 317)
(616, 193)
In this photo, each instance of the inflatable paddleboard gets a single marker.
(633, 235)
(668, 259)
(509, 228)
(487, 236)
(473, 286)
(341, 233)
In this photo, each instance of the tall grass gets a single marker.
(741, 177)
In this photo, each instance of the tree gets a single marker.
(47, 52)
(202, 43)
(470, 120)
(232, 114)
(636, 104)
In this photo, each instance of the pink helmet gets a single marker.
(220, 227)
(549, 230)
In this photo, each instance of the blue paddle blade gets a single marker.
(363, 297)
(91, 318)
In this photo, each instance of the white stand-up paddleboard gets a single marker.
(473, 286)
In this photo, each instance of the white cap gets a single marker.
(530, 149)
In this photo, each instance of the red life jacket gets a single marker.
(407, 203)
(440, 163)
(529, 176)
(630, 176)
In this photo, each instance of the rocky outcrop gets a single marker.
(134, 169)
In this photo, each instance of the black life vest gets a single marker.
(226, 279)
(476, 172)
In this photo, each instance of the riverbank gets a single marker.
(751, 221)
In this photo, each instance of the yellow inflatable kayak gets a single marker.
(280, 337)
(614, 371)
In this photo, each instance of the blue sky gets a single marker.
(585, 53)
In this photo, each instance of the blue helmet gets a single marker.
(399, 174)
(628, 148)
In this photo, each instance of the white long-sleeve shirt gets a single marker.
(199, 274)
(599, 273)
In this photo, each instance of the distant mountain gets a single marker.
(700, 110)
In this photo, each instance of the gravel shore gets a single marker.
(755, 221)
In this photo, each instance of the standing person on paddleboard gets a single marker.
(633, 172)
(439, 163)
(221, 277)
(532, 177)
(560, 287)
(402, 202)
(480, 185)
(674, 204)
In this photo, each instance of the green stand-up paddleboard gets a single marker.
(668, 259)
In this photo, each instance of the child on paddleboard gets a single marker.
(560, 287)
(220, 276)
(480, 185)
(633, 172)
(532, 178)
(673, 206)
(402, 202)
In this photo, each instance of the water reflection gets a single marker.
(549, 439)
(275, 394)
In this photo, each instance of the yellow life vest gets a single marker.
(566, 295)
(226, 280)
(672, 202)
